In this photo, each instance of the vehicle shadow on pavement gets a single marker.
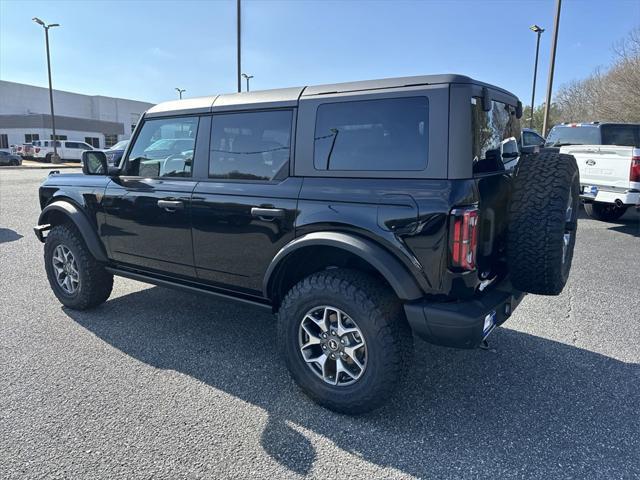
(629, 223)
(531, 407)
(8, 235)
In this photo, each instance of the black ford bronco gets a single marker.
(360, 213)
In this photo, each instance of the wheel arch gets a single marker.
(60, 211)
(316, 251)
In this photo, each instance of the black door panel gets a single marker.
(239, 227)
(148, 224)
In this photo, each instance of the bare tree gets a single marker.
(610, 95)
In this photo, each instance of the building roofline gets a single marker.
(75, 93)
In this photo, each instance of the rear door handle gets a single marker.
(267, 213)
(171, 205)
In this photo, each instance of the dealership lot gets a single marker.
(157, 383)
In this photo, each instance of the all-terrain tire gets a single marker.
(607, 212)
(95, 283)
(542, 222)
(378, 314)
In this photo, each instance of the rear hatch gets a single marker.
(494, 155)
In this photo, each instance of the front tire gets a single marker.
(356, 319)
(47, 158)
(607, 212)
(76, 278)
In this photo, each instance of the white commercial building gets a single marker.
(25, 115)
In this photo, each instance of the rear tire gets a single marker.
(368, 305)
(76, 278)
(47, 158)
(607, 212)
(542, 222)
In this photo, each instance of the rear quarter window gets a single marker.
(621, 135)
(372, 135)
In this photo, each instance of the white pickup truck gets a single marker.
(67, 149)
(608, 157)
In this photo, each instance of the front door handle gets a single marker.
(171, 205)
(267, 213)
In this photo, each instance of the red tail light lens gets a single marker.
(37, 149)
(464, 238)
(634, 173)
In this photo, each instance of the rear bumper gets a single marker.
(630, 196)
(463, 324)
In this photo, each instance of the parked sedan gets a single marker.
(10, 159)
(114, 154)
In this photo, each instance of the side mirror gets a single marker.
(509, 148)
(94, 163)
(519, 110)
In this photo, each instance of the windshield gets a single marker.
(121, 145)
(578, 135)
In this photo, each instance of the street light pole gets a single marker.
(180, 91)
(239, 47)
(46, 27)
(247, 77)
(547, 105)
(539, 31)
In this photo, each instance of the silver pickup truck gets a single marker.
(608, 156)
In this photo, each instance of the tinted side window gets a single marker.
(164, 148)
(385, 134)
(71, 145)
(621, 135)
(532, 139)
(250, 146)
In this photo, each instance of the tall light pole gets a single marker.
(180, 91)
(554, 42)
(239, 32)
(55, 158)
(247, 78)
(538, 30)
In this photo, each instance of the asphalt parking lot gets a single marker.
(160, 384)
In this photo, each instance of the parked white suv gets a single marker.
(67, 149)
(608, 156)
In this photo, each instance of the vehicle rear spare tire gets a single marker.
(542, 222)
(607, 212)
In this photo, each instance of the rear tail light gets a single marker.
(464, 238)
(634, 173)
(37, 150)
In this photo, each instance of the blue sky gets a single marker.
(143, 49)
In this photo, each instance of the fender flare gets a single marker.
(396, 274)
(81, 222)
